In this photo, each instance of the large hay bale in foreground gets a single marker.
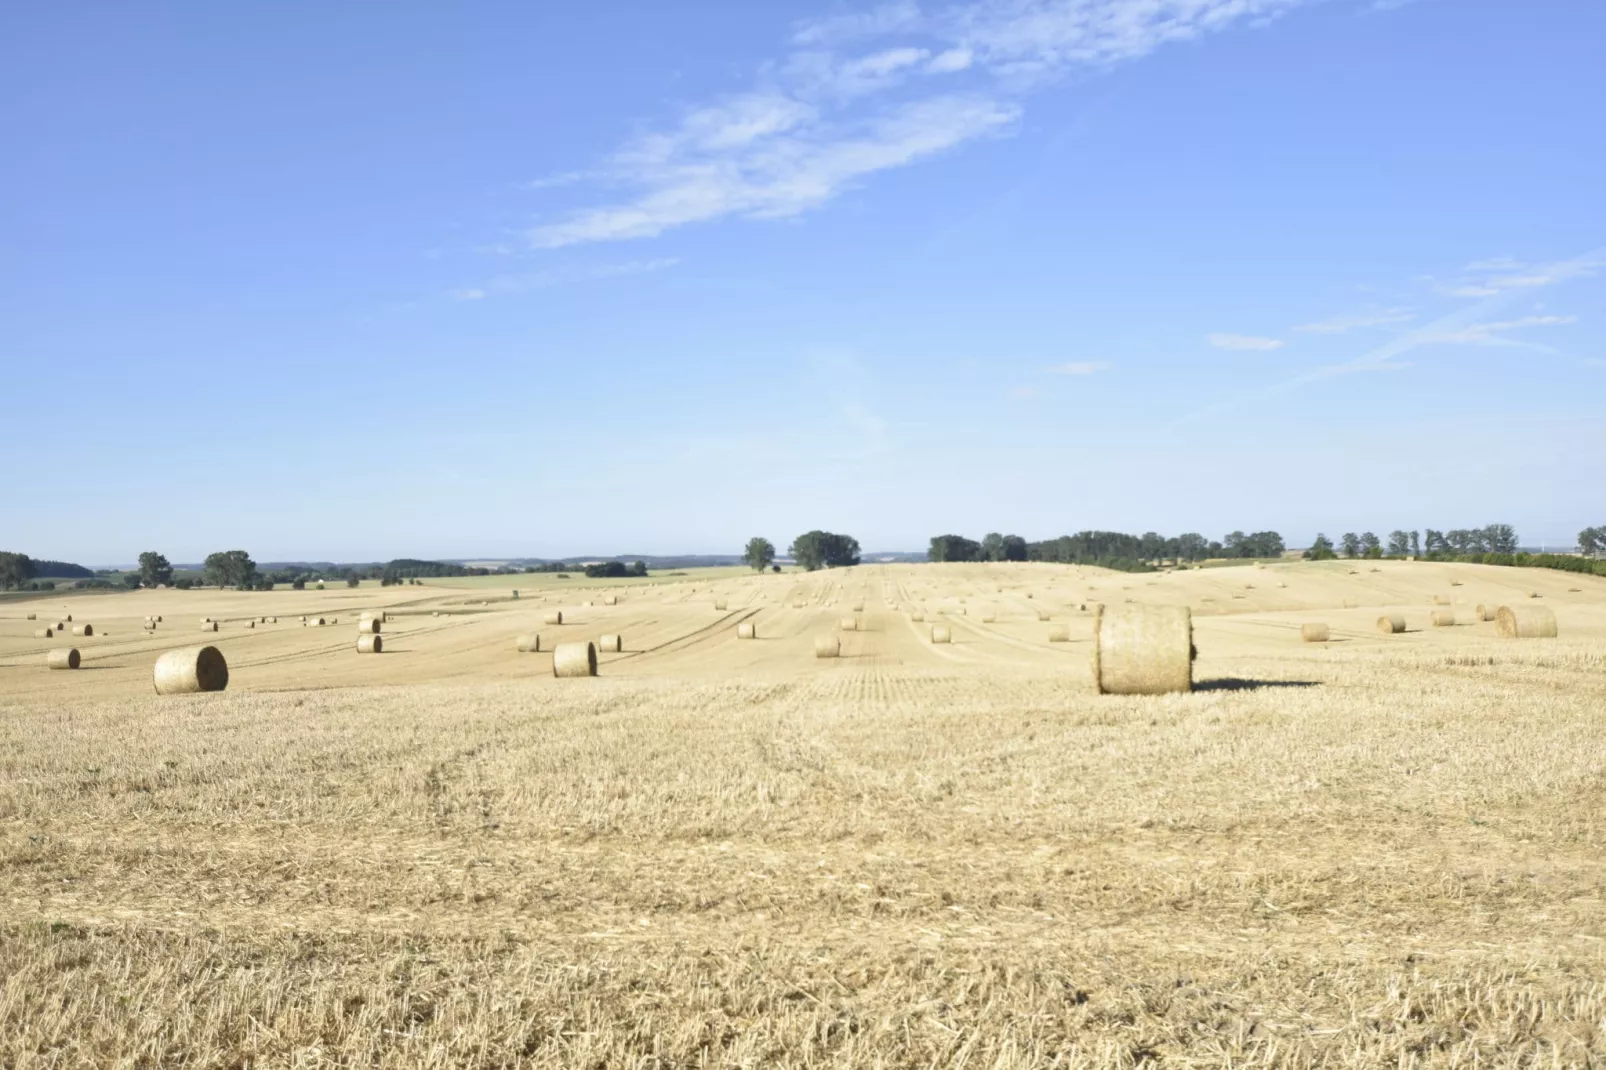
(827, 646)
(1525, 622)
(1059, 633)
(941, 633)
(1391, 624)
(552, 616)
(529, 643)
(746, 630)
(62, 658)
(209, 626)
(1142, 650)
(610, 644)
(44, 633)
(1314, 633)
(370, 626)
(574, 659)
(849, 624)
(191, 669)
(1444, 618)
(370, 644)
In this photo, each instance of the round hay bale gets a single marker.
(250, 624)
(317, 622)
(989, 618)
(158, 618)
(610, 599)
(204, 620)
(1440, 600)
(1392, 624)
(848, 624)
(941, 633)
(33, 616)
(191, 669)
(720, 604)
(552, 616)
(62, 658)
(799, 605)
(610, 644)
(574, 659)
(1059, 633)
(44, 633)
(68, 618)
(149, 626)
(60, 626)
(1525, 622)
(529, 643)
(370, 644)
(827, 646)
(917, 616)
(262, 620)
(857, 607)
(271, 620)
(1143, 650)
(1313, 633)
(746, 630)
(83, 629)
(1534, 594)
(1043, 615)
(1444, 618)
(370, 626)
(209, 626)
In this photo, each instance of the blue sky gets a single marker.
(355, 281)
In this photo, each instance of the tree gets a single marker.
(1265, 544)
(1399, 543)
(1191, 546)
(354, 580)
(992, 546)
(1500, 538)
(1592, 541)
(231, 568)
(1321, 549)
(1416, 544)
(1233, 544)
(815, 549)
(1351, 543)
(154, 570)
(1370, 546)
(15, 569)
(760, 553)
(953, 548)
(1434, 542)
(639, 568)
(131, 581)
(1014, 548)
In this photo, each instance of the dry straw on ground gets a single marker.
(1525, 622)
(1391, 624)
(1142, 650)
(1315, 632)
(574, 659)
(63, 658)
(191, 669)
(720, 604)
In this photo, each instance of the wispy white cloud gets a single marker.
(823, 116)
(1496, 334)
(1246, 342)
(540, 280)
(1492, 277)
(1341, 324)
(1081, 367)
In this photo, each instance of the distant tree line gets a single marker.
(1108, 549)
(612, 570)
(824, 549)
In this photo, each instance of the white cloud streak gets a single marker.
(1081, 367)
(1495, 334)
(1343, 324)
(540, 280)
(825, 117)
(1244, 342)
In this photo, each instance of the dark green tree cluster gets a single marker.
(612, 570)
(61, 570)
(824, 549)
(759, 554)
(231, 568)
(154, 569)
(1493, 539)
(994, 547)
(16, 570)
(1592, 541)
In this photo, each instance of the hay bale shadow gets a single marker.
(1233, 683)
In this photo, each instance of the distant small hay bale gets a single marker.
(149, 626)
(1028, 594)
(1485, 612)
(1350, 603)
(1570, 590)
(191, 669)
(1392, 624)
(941, 633)
(848, 624)
(262, 620)
(529, 643)
(317, 622)
(68, 618)
(610, 644)
(44, 633)
(1444, 618)
(63, 658)
(918, 616)
(33, 616)
(989, 618)
(204, 620)
(745, 630)
(373, 614)
(857, 607)
(250, 624)
(1525, 622)
(827, 646)
(574, 659)
(1043, 614)
(83, 629)
(1314, 633)
(433, 613)
(1440, 600)
(720, 604)
(1143, 650)
(370, 626)
(1059, 633)
(1455, 583)
(1354, 572)
(610, 599)
(552, 616)
(1535, 594)
(271, 620)
(209, 626)
(370, 644)
(588, 604)
(799, 605)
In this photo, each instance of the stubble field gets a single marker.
(1379, 850)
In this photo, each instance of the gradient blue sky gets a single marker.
(354, 281)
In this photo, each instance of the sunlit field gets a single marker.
(1378, 850)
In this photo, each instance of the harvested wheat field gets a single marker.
(1374, 850)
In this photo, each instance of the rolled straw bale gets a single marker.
(917, 616)
(529, 644)
(610, 644)
(158, 618)
(250, 624)
(1534, 594)
(68, 618)
(552, 616)
(610, 599)
(44, 633)
(191, 669)
(149, 626)
(1455, 583)
(849, 624)
(799, 605)
(1392, 624)
(1443, 618)
(1440, 600)
(858, 607)
(1043, 614)
(271, 620)
(574, 659)
(209, 626)
(204, 620)
(1059, 633)
(1525, 622)
(262, 620)
(33, 616)
(370, 626)
(1313, 633)
(1143, 650)
(989, 618)
(588, 603)
(370, 644)
(745, 630)
(720, 604)
(303, 619)
(941, 633)
(827, 646)
(83, 629)
(62, 658)
(317, 622)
